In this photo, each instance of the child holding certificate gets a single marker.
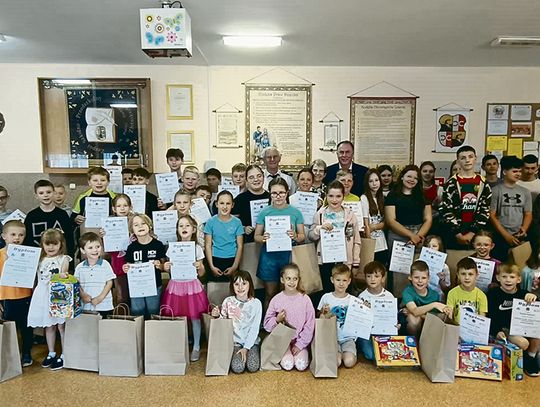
(270, 263)
(483, 245)
(224, 241)
(187, 297)
(500, 300)
(373, 210)
(292, 306)
(439, 282)
(54, 260)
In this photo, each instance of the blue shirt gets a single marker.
(295, 214)
(224, 236)
(410, 295)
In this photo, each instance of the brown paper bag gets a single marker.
(217, 292)
(367, 255)
(166, 349)
(520, 254)
(305, 257)
(324, 349)
(220, 347)
(275, 345)
(10, 361)
(438, 349)
(250, 261)
(81, 339)
(206, 318)
(121, 346)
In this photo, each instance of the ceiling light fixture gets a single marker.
(515, 41)
(124, 105)
(64, 82)
(3, 38)
(252, 41)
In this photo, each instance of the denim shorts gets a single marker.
(271, 263)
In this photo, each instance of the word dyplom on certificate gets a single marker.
(137, 194)
(165, 225)
(525, 319)
(486, 269)
(434, 259)
(116, 237)
(182, 256)
(473, 328)
(255, 208)
(306, 203)
(96, 211)
(142, 280)
(359, 319)
(333, 246)
(356, 208)
(384, 316)
(199, 210)
(402, 258)
(21, 266)
(167, 186)
(277, 227)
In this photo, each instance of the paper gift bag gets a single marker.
(305, 257)
(10, 361)
(166, 349)
(220, 347)
(438, 344)
(275, 345)
(121, 345)
(324, 348)
(367, 254)
(520, 254)
(217, 292)
(64, 297)
(250, 261)
(81, 339)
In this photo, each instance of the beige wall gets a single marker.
(213, 86)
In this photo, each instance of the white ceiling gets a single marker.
(316, 32)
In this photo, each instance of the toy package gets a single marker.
(64, 297)
(479, 361)
(393, 351)
(512, 361)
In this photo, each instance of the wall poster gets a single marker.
(452, 128)
(280, 116)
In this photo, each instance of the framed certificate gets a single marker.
(180, 102)
(184, 140)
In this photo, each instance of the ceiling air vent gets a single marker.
(514, 41)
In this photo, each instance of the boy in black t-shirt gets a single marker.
(500, 300)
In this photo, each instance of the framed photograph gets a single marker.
(185, 141)
(180, 102)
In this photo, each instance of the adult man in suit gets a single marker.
(345, 154)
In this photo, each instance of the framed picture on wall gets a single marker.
(180, 102)
(185, 141)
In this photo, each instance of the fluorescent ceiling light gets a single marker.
(71, 82)
(124, 105)
(252, 41)
(3, 38)
(515, 41)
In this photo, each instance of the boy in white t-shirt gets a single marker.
(375, 273)
(95, 276)
(335, 304)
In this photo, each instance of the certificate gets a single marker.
(142, 280)
(20, 266)
(137, 194)
(356, 208)
(96, 211)
(255, 208)
(17, 214)
(116, 237)
(485, 273)
(525, 319)
(333, 245)
(115, 177)
(402, 258)
(167, 186)
(165, 225)
(473, 328)
(434, 259)
(384, 316)
(306, 203)
(233, 189)
(180, 102)
(359, 319)
(182, 256)
(277, 227)
(199, 210)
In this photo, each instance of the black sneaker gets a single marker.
(48, 361)
(26, 360)
(530, 367)
(57, 364)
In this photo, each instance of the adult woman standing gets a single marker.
(318, 168)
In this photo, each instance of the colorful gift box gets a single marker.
(512, 361)
(480, 361)
(393, 351)
(64, 297)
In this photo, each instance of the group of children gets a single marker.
(219, 246)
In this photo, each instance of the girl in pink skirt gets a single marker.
(187, 298)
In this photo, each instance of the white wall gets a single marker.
(214, 86)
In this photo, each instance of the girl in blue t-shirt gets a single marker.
(223, 240)
(271, 263)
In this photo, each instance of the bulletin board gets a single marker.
(512, 129)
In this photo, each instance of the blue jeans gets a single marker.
(146, 305)
(366, 346)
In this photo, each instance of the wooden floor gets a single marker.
(363, 385)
